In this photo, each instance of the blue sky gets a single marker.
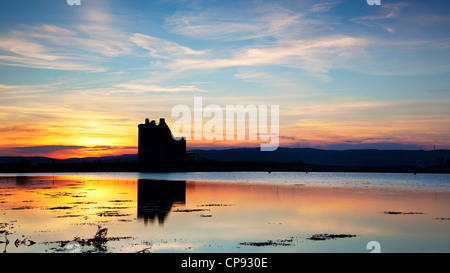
(342, 72)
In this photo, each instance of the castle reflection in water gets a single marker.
(156, 198)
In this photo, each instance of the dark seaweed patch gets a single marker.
(111, 208)
(190, 210)
(322, 237)
(57, 208)
(216, 205)
(112, 213)
(401, 213)
(23, 207)
(98, 241)
(69, 216)
(281, 242)
(78, 196)
(25, 242)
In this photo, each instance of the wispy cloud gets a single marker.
(105, 40)
(24, 48)
(322, 7)
(21, 48)
(45, 149)
(409, 18)
(258, 22)
(248, 76)
(388, 11)
(141, 88)
(64, 151)
(385, 19)
(84, 45)
(315, 55)
(16, 50)
(160, 48)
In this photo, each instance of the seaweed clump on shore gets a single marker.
(98, 241)
(401, 213)
(280, 242)
(322, 237)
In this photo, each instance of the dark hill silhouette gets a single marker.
(320, 157)
(248, 159)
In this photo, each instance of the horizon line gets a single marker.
(230, 148)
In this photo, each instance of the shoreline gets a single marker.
(216, 167)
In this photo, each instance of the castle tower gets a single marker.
(156, 143)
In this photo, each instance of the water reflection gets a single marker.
(156, 197)
(23, 180)
(206, 216)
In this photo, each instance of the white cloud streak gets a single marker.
(315, 55)
(160, 48)
(142, 88)
(261, 22)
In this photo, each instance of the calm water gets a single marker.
(224, 212)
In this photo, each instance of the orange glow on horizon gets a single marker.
(99, 139)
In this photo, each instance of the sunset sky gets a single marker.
(77, 80)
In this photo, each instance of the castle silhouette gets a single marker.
(156, 143)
